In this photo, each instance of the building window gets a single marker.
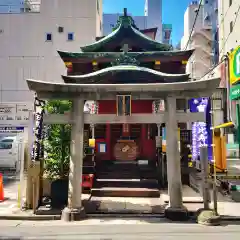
(48, 37)
(70, 36)
(98, 10)
(231, 26)
(230, 3)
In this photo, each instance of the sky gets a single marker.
(173, 12)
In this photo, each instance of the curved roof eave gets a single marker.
(125, 68)
(89, 48)
(207, 85)
(151, 41)
(96, 55)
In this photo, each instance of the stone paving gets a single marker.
(192, 201)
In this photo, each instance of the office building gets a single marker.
(152, 18)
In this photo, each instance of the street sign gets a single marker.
(234, 62)
(14, 112)
(11, 129)
(235, 92)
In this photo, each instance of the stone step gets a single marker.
(126, 183)
(126, 175)
(117, 167)
(125, 192)
(122, 165)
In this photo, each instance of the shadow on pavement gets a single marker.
(113, 210)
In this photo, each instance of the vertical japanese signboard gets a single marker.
(201, 131)
(234, 65)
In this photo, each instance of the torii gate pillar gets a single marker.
(175, 209)
(75, 211)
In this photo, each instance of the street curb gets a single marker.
(124, 215)
(100, 215)
(31, 218)
(89, 216)
(230, 218)
(189, 202)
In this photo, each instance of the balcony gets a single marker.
(204, 32)
(206, 49)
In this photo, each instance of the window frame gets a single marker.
(231, 26)
(98, 7)
(70, 34)
(49, 34)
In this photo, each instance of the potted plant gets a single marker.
(57, 154)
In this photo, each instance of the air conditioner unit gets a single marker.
(60, 29)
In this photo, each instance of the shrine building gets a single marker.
(128, 75)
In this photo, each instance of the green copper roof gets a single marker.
(126, 74)
(126, 33)
(138, 55)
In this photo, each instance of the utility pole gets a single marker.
(214, 183)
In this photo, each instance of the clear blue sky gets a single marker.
(173, 12)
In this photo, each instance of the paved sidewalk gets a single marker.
(191, 199)
(10, 204)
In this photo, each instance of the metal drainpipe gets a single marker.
(227, 103)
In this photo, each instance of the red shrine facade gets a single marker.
(138, 139)
(126, 56)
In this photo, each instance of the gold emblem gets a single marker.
(126, 148)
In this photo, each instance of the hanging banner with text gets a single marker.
(201, 131)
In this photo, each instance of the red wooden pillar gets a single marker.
(108, 140)
(143, 137)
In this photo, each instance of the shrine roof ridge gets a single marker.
(165, 77)
(144, 31)
(125, 30)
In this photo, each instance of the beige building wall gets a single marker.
(25, 51)
(200, 40)
(229, 22)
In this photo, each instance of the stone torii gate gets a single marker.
(170, 92)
